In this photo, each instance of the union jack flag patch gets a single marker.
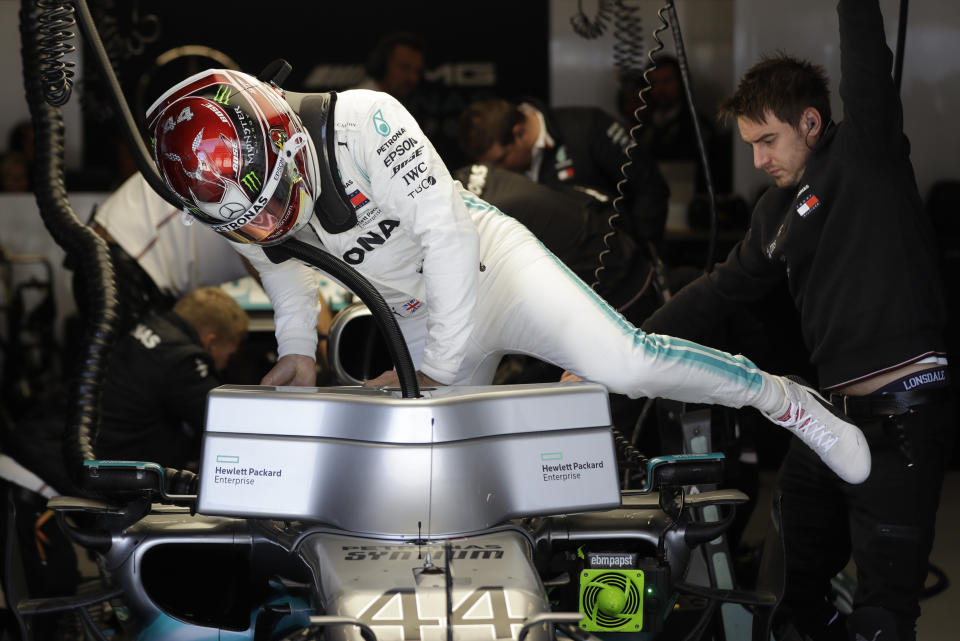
(407, 309)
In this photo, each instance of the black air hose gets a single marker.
(382, 314)
(691, 105)
(901, 43)
(82, 245)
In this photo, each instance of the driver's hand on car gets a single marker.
(292, 369)
(390, 379)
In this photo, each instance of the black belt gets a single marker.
(890, 404)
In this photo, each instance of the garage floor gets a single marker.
(938, 621)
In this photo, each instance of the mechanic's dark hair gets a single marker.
(632, 79)
(784, 86)
(376, 66)
(666, 60)
(487, 122)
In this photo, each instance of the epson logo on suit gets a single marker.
(399, 151)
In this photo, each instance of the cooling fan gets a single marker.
(611, 600)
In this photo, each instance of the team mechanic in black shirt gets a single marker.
(155, 394)
(568, 146)
(844, 228)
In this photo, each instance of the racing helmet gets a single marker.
(237, 155)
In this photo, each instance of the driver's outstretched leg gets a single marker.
(550, 313)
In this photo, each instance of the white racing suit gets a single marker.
(469, 284)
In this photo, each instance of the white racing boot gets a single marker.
(825, 430)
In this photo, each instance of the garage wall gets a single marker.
(931, 71)
(581, 70)
(725, 37)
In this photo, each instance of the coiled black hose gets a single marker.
(82, 245)
(631, 150)
(628, 46)
(588, 28)
(624, 53)
(629, 456)
(53, 34)
(627, 30)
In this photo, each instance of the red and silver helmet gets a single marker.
(237, 155)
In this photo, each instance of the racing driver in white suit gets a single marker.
(466, 282)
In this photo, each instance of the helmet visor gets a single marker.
(279, 205)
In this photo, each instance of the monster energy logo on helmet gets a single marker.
(380, 124)
(223, 94)
(252, 181)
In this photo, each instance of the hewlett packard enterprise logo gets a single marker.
(554, 468)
